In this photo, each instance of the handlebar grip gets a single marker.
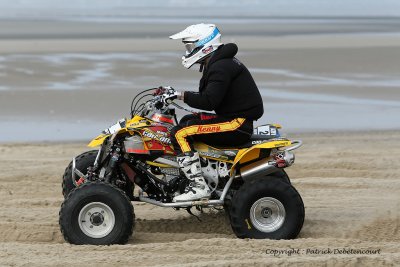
(159, 91)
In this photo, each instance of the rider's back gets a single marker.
(227, 87)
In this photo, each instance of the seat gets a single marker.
(262, 137)
(254, 139)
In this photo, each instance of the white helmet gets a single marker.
(200, 40)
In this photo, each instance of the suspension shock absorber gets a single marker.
(115, 155)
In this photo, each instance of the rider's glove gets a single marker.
(160, 90)
(170, 95)
(164, 90)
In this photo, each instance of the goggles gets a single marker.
(191, 49)
(190, 46)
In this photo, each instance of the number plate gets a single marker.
(116, 127)
(265, 130)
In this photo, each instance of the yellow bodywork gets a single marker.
(97, 141)
(243, 155)
(248, 154)
(135, 122)
(207, 151)
(157, 164)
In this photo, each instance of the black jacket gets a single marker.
(227, 87)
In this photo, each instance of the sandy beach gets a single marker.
(349, 183)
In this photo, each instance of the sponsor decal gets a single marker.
(138, 124)
(160, 118)
(162, 139)
(206, 129)
(210, 155)
(207, 49)
(149, 134)
(161, 133)
(205, 116)
(100, 136)
(208, 38)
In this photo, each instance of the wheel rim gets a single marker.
(267, 214)
(96, 219)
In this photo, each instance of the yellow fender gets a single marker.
(247, 154)
(135, 122)
(97, 141)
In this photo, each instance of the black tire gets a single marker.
(282, 175)
(83, 161)
(81, 215)
(261, 191)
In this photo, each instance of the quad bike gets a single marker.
(248, 181)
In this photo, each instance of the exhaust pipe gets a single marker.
(262, 167)
(267, 166)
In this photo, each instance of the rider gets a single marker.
(227, 88)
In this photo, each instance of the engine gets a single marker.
(213, 170)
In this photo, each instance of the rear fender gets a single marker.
(251, 153)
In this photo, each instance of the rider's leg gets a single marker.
(182, 139)
(189, 162)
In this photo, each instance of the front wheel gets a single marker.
(96, 213)
(267, 207)
(83, 162)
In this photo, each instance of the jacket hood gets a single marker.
(224, 51)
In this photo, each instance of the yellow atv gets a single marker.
(249, 181)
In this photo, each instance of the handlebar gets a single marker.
(162, 97)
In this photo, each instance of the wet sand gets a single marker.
(349, 183)
(68, 79)
(309, 83)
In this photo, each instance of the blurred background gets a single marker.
(68, 69)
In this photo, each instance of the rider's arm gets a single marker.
(210, 98)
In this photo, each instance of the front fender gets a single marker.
(98, 141)
(128, 125)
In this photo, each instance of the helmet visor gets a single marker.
(189, 47)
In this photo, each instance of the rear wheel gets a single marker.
(267, 208)
(282, 175)
(83, 162)
(96, 213)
